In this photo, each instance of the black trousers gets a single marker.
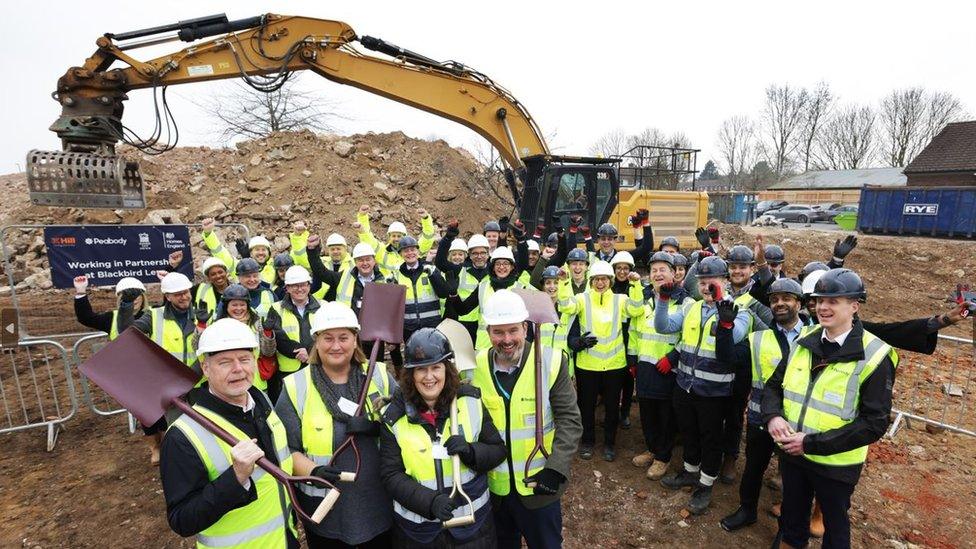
(659, 426)
(627, 389)
(591, 385)
(735, 416)
(759, 451)
(485, 538)
(541, 528)
(381, 541)
(700, 421)
(800, 486)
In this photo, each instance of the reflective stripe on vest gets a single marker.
(652, 346)
(831, 401)
(167, 334)
(745, 302)
(697, 367)
(267, 300)
(206, 295)
(609, 351)
(485, 291)
(113, 331)
(468, 284)
(422, 303)
(292, 328)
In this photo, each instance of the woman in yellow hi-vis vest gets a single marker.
(318, 408)
(417, 448)
(824, 406)
(235, 303)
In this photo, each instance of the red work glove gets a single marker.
(713, 235)
(645, 217)
(539, 231)
(665, 291)
(586, 231)
(703, 254)
(635, 221)
(664, 365)
(716, 291)
(574, 223)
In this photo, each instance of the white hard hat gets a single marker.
(362, 250)
(459, 245)
(226, 334)
(335, 239)
(174, 283)
(333, 314)
(477, 241)
(397, 227)
(258, 241)
(601, 268)
(810, 281)
(503, 307)
(212, 262)
(502, 252)
(129, 283)
(296, 274)
(622, 257)
(533, 245)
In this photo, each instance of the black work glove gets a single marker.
(242, 249)
(701, 235)
(727, 311)
(202, 313)
(518, 230)
(129, 295)
(362, 425)
(327, 472)
(844, 247)
(588, 340)
(452, 230)
(503, 224)
(273, 323)
(546, 481)
(457, 446)
(441, 507)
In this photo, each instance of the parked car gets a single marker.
(833, 212)
(767, 206)
(799, 213)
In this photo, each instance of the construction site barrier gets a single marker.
(36, 388)
(97, 400)
(57, 320)
(937, 390)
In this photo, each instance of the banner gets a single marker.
(108, 253)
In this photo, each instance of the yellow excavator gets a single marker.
(264, 51)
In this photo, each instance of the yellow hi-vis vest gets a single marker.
(485, 291)
(515, 417)
(766, 355)
(416, 451)
(468, 284)
(601, 314)
(831, 401)
(290, 325)
(262, 523)
(167, 334)
(218, 250)
(113, 331)
(206, 296)
(744, 302)
(651, 345)
(315, 416)
(422, 304)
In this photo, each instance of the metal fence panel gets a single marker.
(36, 388)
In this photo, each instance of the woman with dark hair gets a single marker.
(235, 303)
(417, 446)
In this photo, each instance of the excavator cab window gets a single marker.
(587, 191)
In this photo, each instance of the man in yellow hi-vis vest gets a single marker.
(824, 406)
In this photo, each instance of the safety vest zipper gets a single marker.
(438, 468)
(806, 400)
(694, 362)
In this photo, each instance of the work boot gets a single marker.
(816, 521)
(727, 475)
(680, 480)
(741, 518)
(657, 470)
(701, 498)
(609, 454)
(154, 440)
(643, 459)
(586, 451)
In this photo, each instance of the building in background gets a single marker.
(833, 186)
(949, 160)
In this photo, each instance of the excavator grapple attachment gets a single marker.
(84, 180)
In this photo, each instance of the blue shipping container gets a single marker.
(925, 211)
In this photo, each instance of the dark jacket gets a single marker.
(874, 407)
(442, 289)
(640, 253)
(287, 346)
(102, 322)
(143, 322)
(920, 335)
(194, 502)
(322, 274)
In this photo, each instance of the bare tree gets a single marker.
(246, 112)
(818, 106)
(901, 116)
(612, 143)
(736, 138)
(847, 140)
(782, 120)
(491, 172)
(941, 108)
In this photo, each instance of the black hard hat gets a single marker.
(694, 256)
(247, 266)
(425, 347)
(786, 286)
(712, 266)
(578, 254)
(680, 260)
(740, 255)
(551, 271)
(492, 226)
(670, 241)
(283, 261)
(840, 283)
(607, 229)
(407, 242)
(552, 240)
(811, 267)
(774, 254)
(665, 257)
(235, 291)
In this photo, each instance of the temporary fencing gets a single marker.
(36, 388)
(937, 390)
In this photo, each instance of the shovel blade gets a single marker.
(140, 375)
(457, 334)
(382, 314)
(541, 308)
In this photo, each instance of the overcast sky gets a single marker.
(580, 69)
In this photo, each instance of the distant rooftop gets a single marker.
(844, 179)
(953, 150)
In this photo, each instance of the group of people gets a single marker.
(709, 344)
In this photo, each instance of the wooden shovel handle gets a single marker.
(539, 437)
(350, 440)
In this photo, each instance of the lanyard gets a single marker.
(498, 385)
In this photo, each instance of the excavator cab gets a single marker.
(555, 188)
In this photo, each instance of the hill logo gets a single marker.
(920, 209)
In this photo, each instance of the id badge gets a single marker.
(347, 406)
(440, 452)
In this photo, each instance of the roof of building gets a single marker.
(953, 150)
(843, 179)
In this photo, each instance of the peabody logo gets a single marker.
(105, 241)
